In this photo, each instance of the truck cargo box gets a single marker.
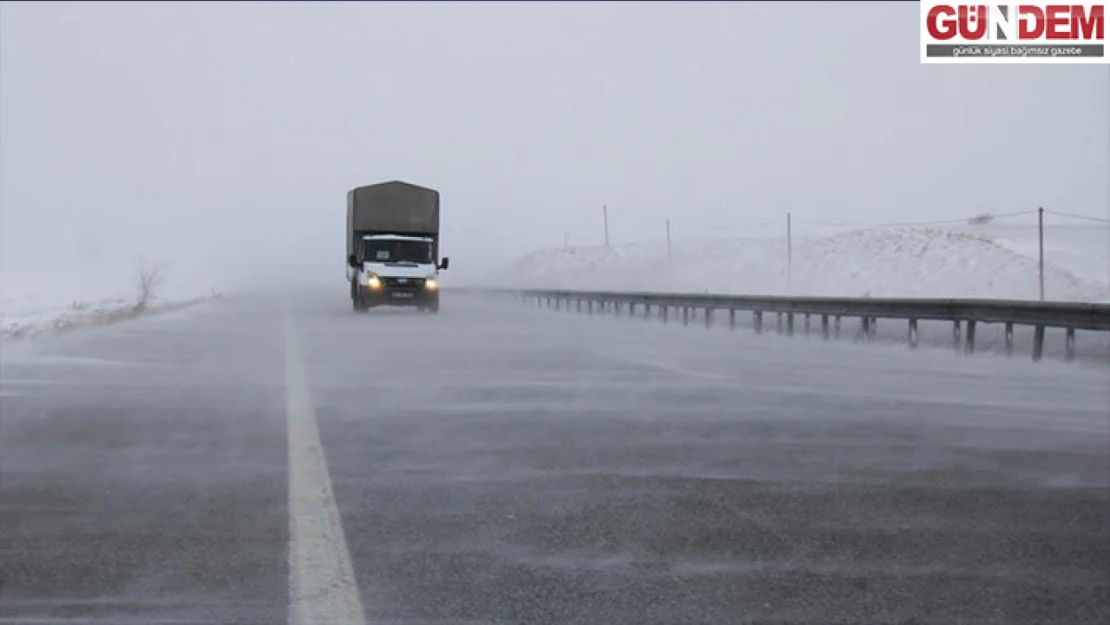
(391, 208)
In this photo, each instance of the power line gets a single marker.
(839, 224)
(1073, 216)
(910, 223)
(586, 222)
(1013, 214)
(725, 226)
(622, 215)
(726, 229)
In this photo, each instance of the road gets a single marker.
(280, 459)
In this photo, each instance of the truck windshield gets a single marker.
(387, 251)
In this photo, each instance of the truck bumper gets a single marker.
(385, 296)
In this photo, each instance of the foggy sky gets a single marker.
(222, 137)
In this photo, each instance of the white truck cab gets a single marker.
(398, 270)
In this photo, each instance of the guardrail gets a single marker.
(1040, 315)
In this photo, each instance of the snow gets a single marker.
(32, 305)
(976, 261)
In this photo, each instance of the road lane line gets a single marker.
(662, 366)
(322, 587)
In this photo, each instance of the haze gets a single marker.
(221, 138)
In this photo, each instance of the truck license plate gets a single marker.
(403, 295)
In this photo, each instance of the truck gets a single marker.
(393, 246)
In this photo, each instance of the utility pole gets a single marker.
(789, 254)
(668, 239)
(566, 240)
(1040, 244)
(605, 216)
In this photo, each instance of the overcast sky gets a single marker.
(222, 137)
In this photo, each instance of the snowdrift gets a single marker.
(44, 308)
(907, 262)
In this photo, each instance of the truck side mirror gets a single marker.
(352, 261)
(444, 263)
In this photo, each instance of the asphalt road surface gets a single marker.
(273, 459)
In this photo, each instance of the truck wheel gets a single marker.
(356, 304)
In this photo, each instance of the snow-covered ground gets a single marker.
(33, 306)
(989, 261)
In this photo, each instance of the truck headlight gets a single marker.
(431, 284)
(374, 282)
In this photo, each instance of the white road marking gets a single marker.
(655, 364)
(322, 588)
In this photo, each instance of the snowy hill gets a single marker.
(994, 262)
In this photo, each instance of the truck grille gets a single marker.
(402, 284)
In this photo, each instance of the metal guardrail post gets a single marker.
(1070, 316)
